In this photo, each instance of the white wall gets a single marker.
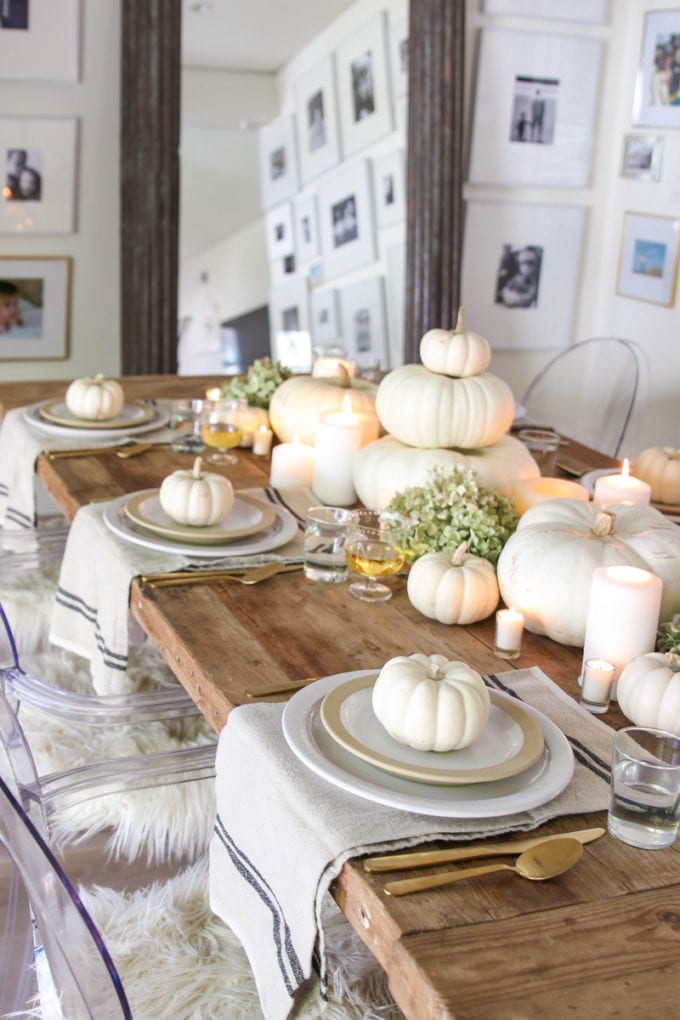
(94, 247)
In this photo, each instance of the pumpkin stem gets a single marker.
(99, 377)
(197, 467)
(604, 523)
(344, 377)
(671, 453)
(673, 660)
(457, 558)
(434, 672)
(459, 320)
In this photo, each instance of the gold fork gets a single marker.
(124, 452)
(244, 576)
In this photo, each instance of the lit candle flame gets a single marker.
(625, 470)
(213, 394)
(347, 404)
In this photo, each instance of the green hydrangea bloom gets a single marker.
(668, 636)
(259, 383)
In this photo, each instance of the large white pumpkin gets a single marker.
(648, 691)
(388, 466)
(546, 567)
(95, 399)
(422, 408)
(196, 498)
(299, 403)
(431, 703)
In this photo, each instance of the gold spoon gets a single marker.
(546, 860)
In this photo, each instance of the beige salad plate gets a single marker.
(248, 516)
(135, 413)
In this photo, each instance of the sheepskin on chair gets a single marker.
(27, 597)
(168, 822)
(178, 960)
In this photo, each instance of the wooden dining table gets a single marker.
(601, 941)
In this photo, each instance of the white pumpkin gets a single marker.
(422, 408)
(299, 403)
(546, 567)
(457, 352)
(388, 466)
(453, 589)
(96, 399)
(431, 703)
(648, 691)
(196, 498)
(659, 466)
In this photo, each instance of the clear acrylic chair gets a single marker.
(588, 392)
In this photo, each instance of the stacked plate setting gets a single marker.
(135, 418)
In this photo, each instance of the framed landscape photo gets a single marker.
(35, 296)
(363, 86)
(642, 156)
(280, 236)
(318, 126)
(308, 244)
(657, 86)
(324, 315)
(290, 339)
(520, 272)
(593, 11)
(39, 40)
(648, 269)
(38, 164)
(534, 110)
(278, 161)
(389, 188)
(364, 329)
(346, 219)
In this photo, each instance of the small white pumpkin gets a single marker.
(648, 691)
(456, 352)
(96, 399)
(195, 498)
(431, 703)
(659, 466)
(453, 589)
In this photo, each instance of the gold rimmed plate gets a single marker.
(511, 742)
(135, 413)
(248, 517)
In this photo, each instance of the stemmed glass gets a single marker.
(374, 547)
(221, 429)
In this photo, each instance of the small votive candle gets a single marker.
(622, 488)
(214, 393)
(598, 676)
(262, 441)
(509, 627)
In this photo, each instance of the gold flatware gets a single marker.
(131, 450)
(425, 858)
(245, 575)
(294, 685)
(548, 859)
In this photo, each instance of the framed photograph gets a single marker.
(279, 178)
(593, 11)
(520, 272)
(35, 303)
(280, 236)
(290, 339)
(396, 290)
(318, 126)
(648, 270)
(308, 245)
(399, 57)
(39, 40)
(363, 86)
(346, 219)
(364, 330)
(642, 157)
(389, 188)
(534, 109)
(325, 319)
(657, 86)
(38, 162)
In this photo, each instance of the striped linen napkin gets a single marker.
(282, 833)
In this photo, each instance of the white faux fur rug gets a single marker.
(27, 597)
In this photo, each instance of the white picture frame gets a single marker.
(280, 231)
(289, 337)
(389, 183)
(363, 86)
(364, 325)
(42, 292)
(307, 240)
(38, 161)
(653, 104)
(650, 252)
(520, 272)
(40, 41)
(318, 125)
(325, 320)
(534, 109)
(399, 57)
(641, 156)
(591, 11)
(346, 219)
(279, 178)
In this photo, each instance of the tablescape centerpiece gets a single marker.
(453, 589)
(95, 398)
(299, 404)
(196, 498)
(648, 691)
(659, 466)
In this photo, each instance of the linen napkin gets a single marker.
(282, 833)
(91, 617)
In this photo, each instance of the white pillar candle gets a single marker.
(292, 464)
(622, 488)
(338, 440)
(509, 628)
(623, 616)
(262, 441)
(598, 675)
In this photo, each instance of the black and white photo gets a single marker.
(518, 277)
(14, 14)
(38, 175)
(389, 180)
(316, 121)
(278, 161)
(345, 225)
(534, 110)
(364, 326)
(306, 229)
(324, 316)
(280, 238)
(347, 219)
(23, 177)
(364, 85)
(363, 94)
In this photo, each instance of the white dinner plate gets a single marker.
(278, 533)
(33, 417)
(588, 480)
(307, 737)
(57, 413)
(247, 517)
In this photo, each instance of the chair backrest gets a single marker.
(588, 392)
(76, 976)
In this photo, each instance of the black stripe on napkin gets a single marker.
(72, 602)
(259, 884)
(274, 496)
(4, 489)
(16, 516)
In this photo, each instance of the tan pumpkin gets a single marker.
(545, 569)
(424, 409)
(387, 466)
(453, 589)
(648, 691)
(299, 403)
(95, 399)
(457, 352)
(659, 466)
(196, 498)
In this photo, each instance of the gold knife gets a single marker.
(248, 575)
(129, 450)
(424, 858)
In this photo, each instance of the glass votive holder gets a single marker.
(596, 687)
(543, 445)
(509, 629)
(185, 425)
